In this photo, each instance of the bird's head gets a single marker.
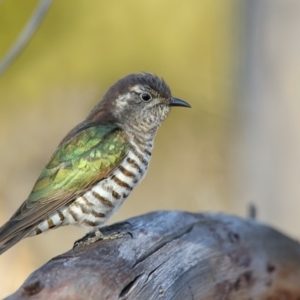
(137, 100)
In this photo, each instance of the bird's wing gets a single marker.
(77, 164)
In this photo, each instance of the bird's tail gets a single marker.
(10, 239)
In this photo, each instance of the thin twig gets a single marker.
(252, 211)
(25, 35)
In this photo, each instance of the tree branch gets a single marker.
(174, 255)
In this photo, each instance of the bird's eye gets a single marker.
(146, 97)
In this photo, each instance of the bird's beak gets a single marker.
(178, 102)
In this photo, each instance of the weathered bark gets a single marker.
(175, 255)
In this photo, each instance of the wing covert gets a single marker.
(77, 164)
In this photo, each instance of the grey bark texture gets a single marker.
(174, 255)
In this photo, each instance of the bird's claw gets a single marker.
(98, 235)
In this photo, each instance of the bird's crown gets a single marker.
(135, 99)
(132, 96)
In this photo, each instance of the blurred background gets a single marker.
(236, 62)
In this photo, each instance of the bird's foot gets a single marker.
(97, 235)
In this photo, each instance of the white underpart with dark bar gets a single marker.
(96, 206)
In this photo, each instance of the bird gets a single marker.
(99, 162)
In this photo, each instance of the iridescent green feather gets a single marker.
(81, 162)
(78, 163)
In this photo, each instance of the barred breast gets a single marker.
(98, 204)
